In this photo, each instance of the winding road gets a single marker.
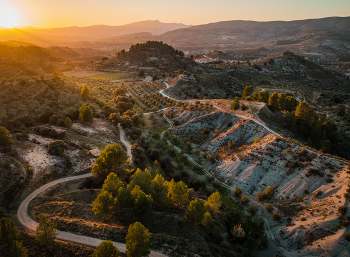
(28, 222)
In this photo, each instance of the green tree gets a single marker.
(45, 233)
(301, 111)
(291, 103)
(142, 202)
(112, 159)
(142, 179)
(248, 90)
(273, 102)
(112, 184)
(8, 232)
(235, 104)
(282, 101)
(214, 202)
(86, 114)
(137, 240)
(106, 249)
(68, 122)
(104, 204)
(85, 92)
(178, 192)
(18, 250)
(195, 212)
(159, 190)
(156, 169)
(123, 198)
(265, 95)
(208, 220)
(5, 137)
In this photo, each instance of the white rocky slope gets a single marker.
(291, 170)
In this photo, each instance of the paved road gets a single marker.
(29, 223)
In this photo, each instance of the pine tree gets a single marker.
(68, 122)
(86, 114)
(18, 250)
(106, 249)
(112, 159)
(195, 212)
(208, 220)
(142, 202)
(248, 90)
(45, 233)
(178, 192)
(282, 101)
(85, 92)
(112, 184)
(214, 202)
(141, 179)
(265, 96)
(137, 240)
(5, 137)
(156, 169)
(273, 102)
(291, 103)
(235, 104)
(104, 204)
(8, 232)
(301, 111)
(159, 190)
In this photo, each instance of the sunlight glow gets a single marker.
(8, 16)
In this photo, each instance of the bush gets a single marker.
(5, 137)
(299, 199)
(237, 191)
(342, 210)
(317, 194)
(57, 147)
(269, 207)
(252, 209)
(277, 216)
(347, 237)
(244, 200)
(266, 195)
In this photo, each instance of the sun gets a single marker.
(8, 16)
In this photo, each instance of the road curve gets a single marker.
(28, 222)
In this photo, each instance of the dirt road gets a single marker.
(29, 223)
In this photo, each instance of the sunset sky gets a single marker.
(53, 13)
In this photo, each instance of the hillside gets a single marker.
(308, 186)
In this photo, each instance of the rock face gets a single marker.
(308, 186)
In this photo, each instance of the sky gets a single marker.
(63, 13)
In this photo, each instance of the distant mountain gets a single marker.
(103, 31)
(58, 36)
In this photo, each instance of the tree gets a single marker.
(282, 101)
(137, 240)
(273, 102)
(85, 92)
(8, 232)
(214, 202)
(301, 111)
(68, 122)
(18, 250)
(156, 169)
(86, 114)
(141, 179)
(180, 72)
(235, 104)
(195, 212)
(178, 192)
(106, 249)
(265, 95)
(208, 220)
(291, 103)
(112, 159)
(112, 184)
(159, 190)
(271, 61)
(248, 90)
(45, 233)
(104, 204)
(5, 137)
(142, 202)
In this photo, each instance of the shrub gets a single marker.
(252, 209)
(244, 200)
(317, 194)
(342, 210)
(269, 207)
(347, 237)
(5, 137)
(299, 199)
(86, 114)
(237, 191)
(329, 180)
(302, 219)
(266, 195)
(306, 192)
(277, 216)
(57, 147)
